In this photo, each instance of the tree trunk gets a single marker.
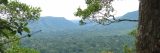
(148, 39)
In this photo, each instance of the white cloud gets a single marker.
(57, 8)
(66, 8)
(124, 6)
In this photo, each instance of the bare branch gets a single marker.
(127, 20)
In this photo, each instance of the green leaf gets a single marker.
(3, 2)
(15, 23)
(133, 32)
(25, 24)
(20, 15)
(26, 29)
(5, 33)
(14, 32)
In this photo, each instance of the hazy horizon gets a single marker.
(67, 8)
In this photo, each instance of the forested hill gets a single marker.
(59, 35)
(49, 24)
(131, 15)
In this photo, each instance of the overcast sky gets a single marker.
(66, 8)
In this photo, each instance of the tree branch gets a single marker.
(28, 35)
(127, 20)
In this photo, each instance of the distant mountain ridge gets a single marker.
(50, 24)
(131, 15)
(59, 35)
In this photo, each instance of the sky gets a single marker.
(67, 8)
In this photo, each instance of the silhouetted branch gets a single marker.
(119, 20)
(106, 18)
(127, 20)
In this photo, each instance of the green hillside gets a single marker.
(59, 35)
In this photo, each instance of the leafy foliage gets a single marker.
(97, 10)
(127, 49)
(3, 1)
(14, 18)
(133, 32)
(92, 7)
(14, 47)
(21, 50)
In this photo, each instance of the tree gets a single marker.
(99, 11)
(14, 18)
(148, 38)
